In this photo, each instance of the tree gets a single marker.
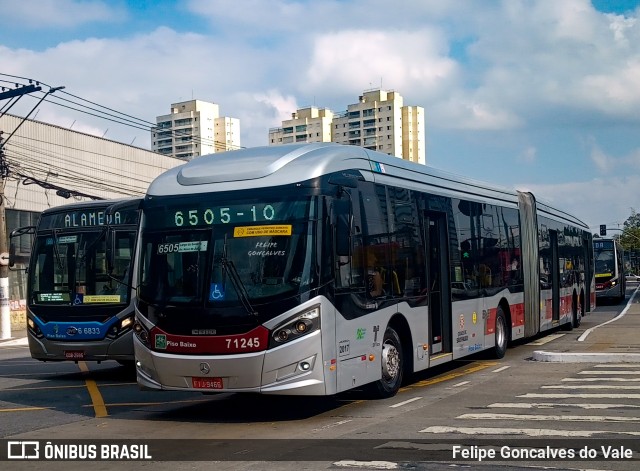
(630, 237)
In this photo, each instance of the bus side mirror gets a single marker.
(342, 211)
(15, 239)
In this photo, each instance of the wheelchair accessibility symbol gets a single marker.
(216, 293)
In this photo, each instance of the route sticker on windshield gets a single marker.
(101, 298)
(257, 231)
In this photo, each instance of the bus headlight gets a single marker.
(296, 327)
(141, 333)
(120, 328)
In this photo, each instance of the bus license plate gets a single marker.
(74, 354)
(206, 383)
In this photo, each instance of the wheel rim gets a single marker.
(500, 332)
(390, 362)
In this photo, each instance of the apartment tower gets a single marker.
(194, 128)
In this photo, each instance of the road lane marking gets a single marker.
(96, 398)
(501, 369)
(532, 432)
(24, 409)
(406, 402)
(366, 464)
(547, 339)
(580, 396)
(615, 380)
(586, 333)
(460, 384)
(562, 418)
(616, 365)
(589, 386)
(612, 372)
(552, 405)
(328, 426)
(450, 376)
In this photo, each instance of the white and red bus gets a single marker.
(314, 269)
(609, 269)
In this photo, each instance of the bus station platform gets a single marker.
(603, 337)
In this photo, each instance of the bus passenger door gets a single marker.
(438, 283)
(555, 277)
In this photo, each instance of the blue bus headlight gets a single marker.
(296, 327)
(120, 328)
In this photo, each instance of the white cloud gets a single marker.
(592, 201)
(59, 14)
(359, 59)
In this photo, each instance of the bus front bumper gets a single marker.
(294, 368)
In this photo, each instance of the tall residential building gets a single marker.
(379, 121)
(306, 125)
(194, 128)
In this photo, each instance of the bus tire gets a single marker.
(392, 361)
(501, 333)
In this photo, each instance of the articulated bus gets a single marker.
(79, 306)
(314, 269)
(609, 269)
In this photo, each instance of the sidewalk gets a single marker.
(18, 337)
(601, 339)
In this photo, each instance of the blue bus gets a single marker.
(79, 296)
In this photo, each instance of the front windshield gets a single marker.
(70, 268)
(605, 262)
(230, 254)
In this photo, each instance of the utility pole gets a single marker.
(5, 312)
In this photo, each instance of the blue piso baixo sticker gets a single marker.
(216, 292)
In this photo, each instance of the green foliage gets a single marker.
(630, 238)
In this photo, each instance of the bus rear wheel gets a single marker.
(392, 365)
(501, 333)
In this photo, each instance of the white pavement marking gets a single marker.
(619, 316)
(612, 372)
(459, 384)
(552, 405)
(547, 339)
(331, 425)
(616, 365)
(366, 464)
(501, 369)
(532, 432)
(580, 396)
(406, 402)
(601, 379)
(562, 418)
(590, 386)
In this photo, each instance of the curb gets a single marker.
(583, 357)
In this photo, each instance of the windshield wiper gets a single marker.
(243, 295)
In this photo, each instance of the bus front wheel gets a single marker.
(392, 365)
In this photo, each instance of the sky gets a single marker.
(536, 95)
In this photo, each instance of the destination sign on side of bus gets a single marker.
(203, 214)
(88, 218)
